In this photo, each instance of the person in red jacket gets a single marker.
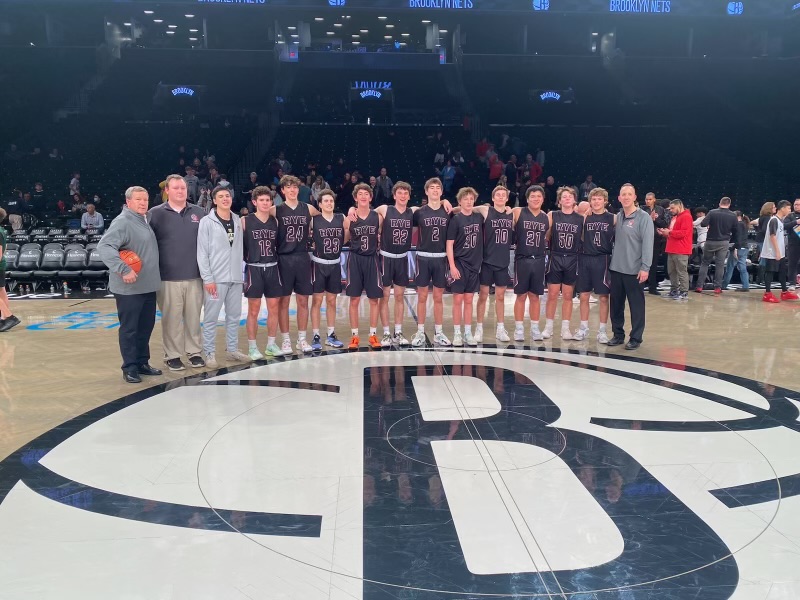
(679, 249)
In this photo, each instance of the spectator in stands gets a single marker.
(460, 180)
(511, 172)
(91, 219)
(792, 225)
(204, 199)
(78, 205)
(199, 169)
(440, 147)
(12, 153)
(224, 183)
(7, 318)
(180, 298)
(458, 159)
(135, 294)
(213, 177)
(383, 189)
(75, 184)
(373, 183)
(495, 170)
(345, 195)
(319, 185)
(659, 216)
(252, 183)
(587, 186)
(678, 249)
(284, 164)
(39, 197)
(304, 193)
(448, 174)
(540, 156)
(481, 149)
(702, 230)
(244, 212)
(328, 176)
(55, 154)
(550, 188)
(721, 226)
(737, 255)
(29, 207)
(278, 175)
(192, 185)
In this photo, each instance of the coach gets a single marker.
(134, 293)
(630, 267)
(180, 299)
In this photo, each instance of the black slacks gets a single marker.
(652, 279)
(627, 287)
(137, 317)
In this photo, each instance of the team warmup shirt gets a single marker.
(466, 232)
(566, 236)
(293, 226)
(328, 236)
(396, 233)
(260, 239)
(598, 234)
(432, 229)
(364, 234)
(530, 233)
(497, 230)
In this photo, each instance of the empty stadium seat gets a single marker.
(29, 259)
(52, 262)
(75, 260)
(95, 268)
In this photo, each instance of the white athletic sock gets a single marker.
(285, 335)
(252, 344)
(373, 330)
(315, 331)
(421, 328)
(301, 335)
(270, 341)
(385, 331)
(602, 326)
(437, 328)
(519, 325)
(467, 329)
(500, 326)
(331, 330)
(564, 324)
(354, 331)
(479, 327)
(535, 326)
(457, 328)
(398, 329)
(549, 324)
(585, 325)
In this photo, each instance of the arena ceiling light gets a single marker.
(189, 16)
(294, 35)
(443, 31)
(148, 12)
(382, 18)
(329, 32)
(291, 28)
(355, 35)
(364, 30)
(425, 21)
(318, 19)
(172, 26)
(355, 43)
(337, 24)
(389, 26)
(192, 39)
(170, 33)
(127, 24)
(406, 34)
(193, 30)
(387, 37)
(158, 20)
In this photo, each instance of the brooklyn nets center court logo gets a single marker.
(493, 473)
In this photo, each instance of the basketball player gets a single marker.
(395, 244)
(329, 235)
(294, 264)
(531, 226)
(497, 234)
(562, 270)
(464, 256)
(431, 220)
(363, 273)
(262, 276)
(598, 242)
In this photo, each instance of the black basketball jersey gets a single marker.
(530, 233)
(566, 235)
(260, 239)
(396, 233)
(467, 235)
(432, 229)
(598, 234)
(328, 236)
(497, 238)
(364, 234)
(293, 226)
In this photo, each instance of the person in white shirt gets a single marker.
(91, 219)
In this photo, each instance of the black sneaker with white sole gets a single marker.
(196, 362)
(175, 364)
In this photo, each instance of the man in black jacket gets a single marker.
(721, 223)
(793, 246)
(660, 221)
(737, 256)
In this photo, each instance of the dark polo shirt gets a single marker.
(176, 234)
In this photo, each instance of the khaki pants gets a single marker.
(678, 269)
(180, 303)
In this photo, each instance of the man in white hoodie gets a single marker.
(220, 256)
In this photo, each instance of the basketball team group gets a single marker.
(176, 258)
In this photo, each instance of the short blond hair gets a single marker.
(598, 191)
(500, 188)
(466, 191)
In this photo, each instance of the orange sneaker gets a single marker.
(374, 342)
(354, 343)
